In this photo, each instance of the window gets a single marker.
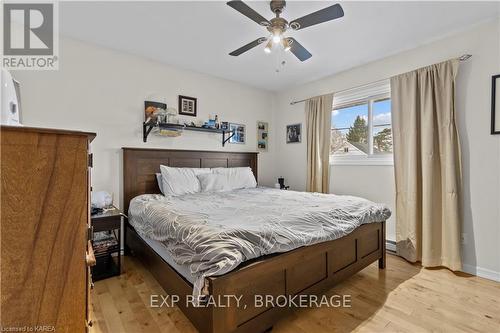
(361, 126)
(350, 130)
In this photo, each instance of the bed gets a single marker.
(301, 270)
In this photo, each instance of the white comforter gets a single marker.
(215, 232)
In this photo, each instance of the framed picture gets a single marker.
(187, 106)
(294, 133)
(262, 135)
(239, 133)
(152, 110)
(495, 104)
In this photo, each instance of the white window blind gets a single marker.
(375, 90)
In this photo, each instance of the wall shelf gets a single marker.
(148, 127)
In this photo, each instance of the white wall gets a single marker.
(481, 151)
(103, 91)
(373, 182)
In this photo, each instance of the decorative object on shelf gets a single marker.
(152, 110)
(169, 118)
(211, 123)
(495, 104)
(224, 125)
(238, 131)
(171, 114)
(262, 135)
(294, 133)
(170, 132)
(187, 106)
(217, 124)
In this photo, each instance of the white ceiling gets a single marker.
(199, 35)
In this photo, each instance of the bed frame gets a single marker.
(309, 270)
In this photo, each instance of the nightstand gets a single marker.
(106, 241)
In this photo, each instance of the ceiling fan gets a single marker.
(277, 26)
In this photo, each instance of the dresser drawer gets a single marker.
(105, 224)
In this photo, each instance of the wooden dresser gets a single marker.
(44, 225)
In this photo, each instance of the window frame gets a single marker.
(368, 94)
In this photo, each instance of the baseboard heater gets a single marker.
(390, 246)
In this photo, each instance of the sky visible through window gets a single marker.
(381, 114)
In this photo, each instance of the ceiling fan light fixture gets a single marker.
(277, 38)
(268, 47)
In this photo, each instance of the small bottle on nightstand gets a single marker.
(281, 182)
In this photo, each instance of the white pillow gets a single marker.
(179, 181)
(159, 181)
(211, 182)
(238, 177)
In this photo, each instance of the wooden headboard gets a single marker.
(140, 166)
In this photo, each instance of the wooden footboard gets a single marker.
(309, 270)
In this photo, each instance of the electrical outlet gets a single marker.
(463, 239)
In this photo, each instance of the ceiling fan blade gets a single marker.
(247, 47)
(323, 15)
(298, 50)
(248, 12)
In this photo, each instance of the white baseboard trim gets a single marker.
(478, 271)
(390, 245)
(481, 272)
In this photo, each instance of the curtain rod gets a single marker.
(461, 58)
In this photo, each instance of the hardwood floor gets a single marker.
(401, 298)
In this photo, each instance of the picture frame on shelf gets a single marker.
(152, 110)
(239, 136)
(187, 106)
(495, 104)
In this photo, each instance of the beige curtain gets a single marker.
(318, 128)
(427, 166)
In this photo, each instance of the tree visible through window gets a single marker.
(382, 131)
(383, 140)
(358, 132)
(362, 129)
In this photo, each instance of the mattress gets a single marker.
(213, 233)
(162, 251)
